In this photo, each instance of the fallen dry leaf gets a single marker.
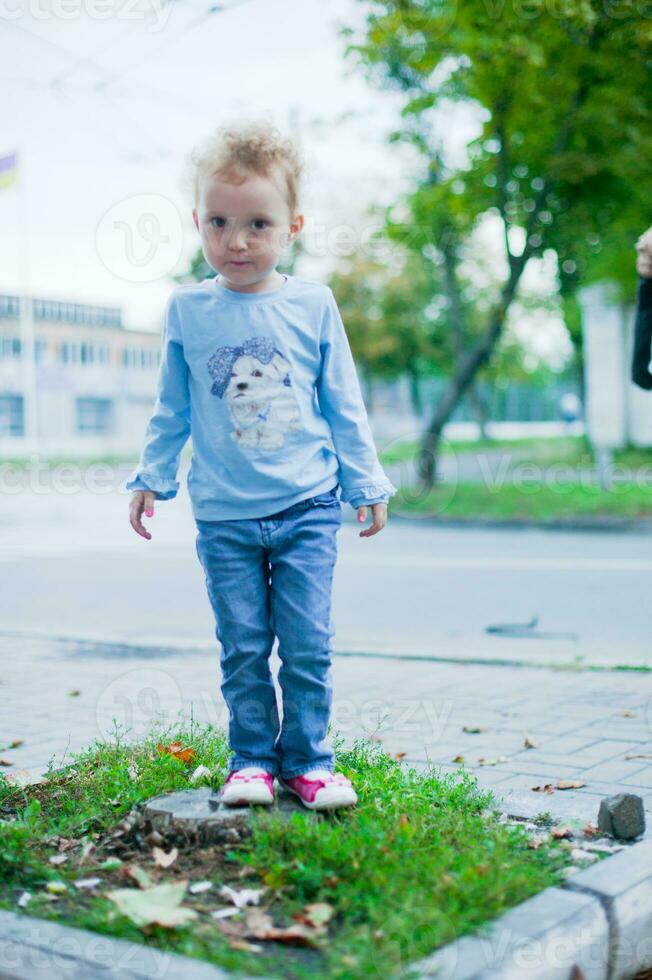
(629, 714)
(225, 913)
(458, 758)
(137, 874)
(160, 905)
(590, 830)
(570, 784)
(176, 749)
(198, 887)
(243, 896)
(529, 742)
(74, 694)
(259, 925)
(559, 833)
(548, 788)
(399, 755)
(163, 860)
(201, 772)
(23, 777)
(58, 859)
(246, 947)
(6, 762)
(316, 914)
(87, 849)
(246, 871)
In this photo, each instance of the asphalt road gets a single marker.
(72, 566)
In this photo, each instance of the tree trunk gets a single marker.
(464, 374)
(478, 409)
(416, 399)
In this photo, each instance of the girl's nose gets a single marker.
(238, 238)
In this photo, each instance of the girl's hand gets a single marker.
(141, 500)
(379, 512)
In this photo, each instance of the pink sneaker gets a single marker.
(248, 785)
(321, 789)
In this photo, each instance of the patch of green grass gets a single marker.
(543, 447)
(533, 501)
(51, 462)
(420, 861)
(574, 451)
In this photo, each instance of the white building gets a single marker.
(618, 412)
(95, 381)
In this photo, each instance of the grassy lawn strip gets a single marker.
(535, 501)
(422, 860)
(545, 450)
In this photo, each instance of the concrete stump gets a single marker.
(199, 811)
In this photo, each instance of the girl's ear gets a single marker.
(194, 218)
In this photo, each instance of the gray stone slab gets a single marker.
(36, 949)
(624, 883)
(544, 938)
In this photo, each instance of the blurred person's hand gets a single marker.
(644, 254)
(141, 500)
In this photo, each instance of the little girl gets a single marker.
(257, 368)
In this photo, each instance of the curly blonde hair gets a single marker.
(239, 147)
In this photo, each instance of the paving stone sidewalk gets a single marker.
(595, 727)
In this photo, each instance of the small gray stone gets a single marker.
(622, 816)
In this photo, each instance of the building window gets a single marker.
(11, 416)
(9, 306)
(87, 354)
(9, 347)
(94, 416)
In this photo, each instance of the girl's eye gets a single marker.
(220, 222)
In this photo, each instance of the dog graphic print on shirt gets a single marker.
(255, 380)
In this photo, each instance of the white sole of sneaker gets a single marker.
(238, 796)
(330, 797)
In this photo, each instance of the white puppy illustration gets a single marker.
(255, 380)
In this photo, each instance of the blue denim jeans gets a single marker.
(268, 577)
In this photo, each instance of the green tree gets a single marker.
(560, 94)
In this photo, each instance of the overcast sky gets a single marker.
(103, 109)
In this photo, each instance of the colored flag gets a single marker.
(8, 170)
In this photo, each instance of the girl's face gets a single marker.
(244, 228)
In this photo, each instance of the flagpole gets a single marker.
(27, 344)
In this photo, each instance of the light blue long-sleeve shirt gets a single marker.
(266, 386)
